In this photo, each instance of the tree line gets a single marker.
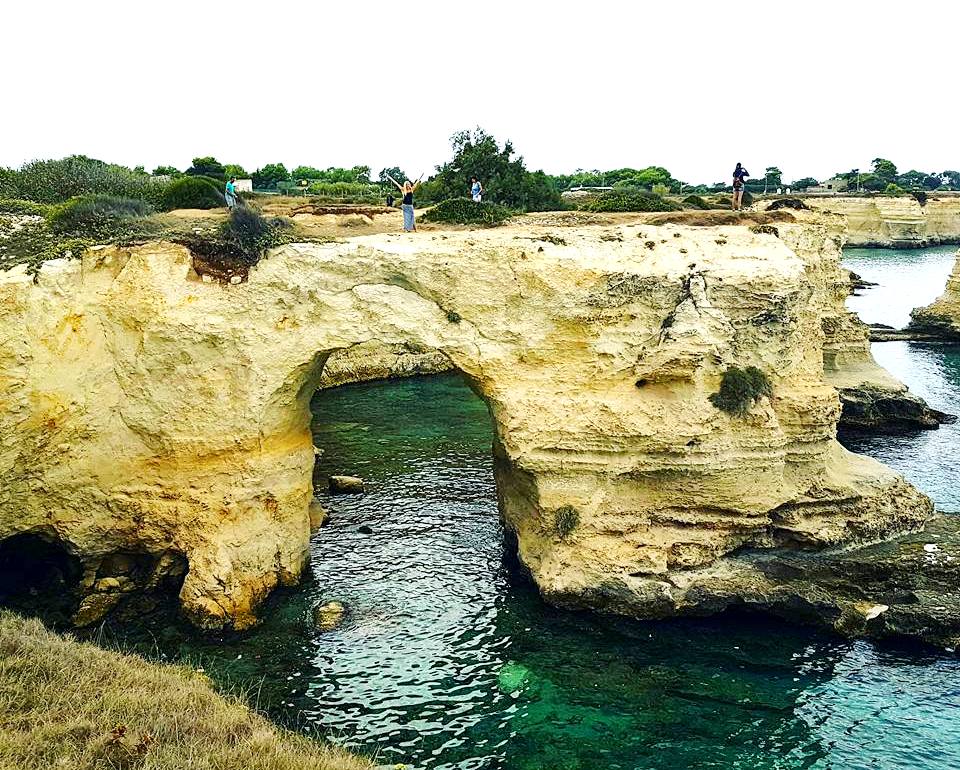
(503, 172)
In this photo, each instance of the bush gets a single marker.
(191, 192)
(893, 189)
(747, 199)
(740, 389)
(22, 207)
(463, 211)
(565, 520)
(629, 200)
(788, 203)
(696, 202)
(95, 215)
(54, 181)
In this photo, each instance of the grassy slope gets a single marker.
(73, 706)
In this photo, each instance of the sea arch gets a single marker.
(158, 412)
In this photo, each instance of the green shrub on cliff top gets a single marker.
(463, 211)
(191, 192)
(22, 207)
(96, 215)
(54, 181)
(696, 202)
(629, 200)
(740, 389)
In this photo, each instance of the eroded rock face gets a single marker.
(872, 399)
(895, 221)
(145, 410)
(942, 318)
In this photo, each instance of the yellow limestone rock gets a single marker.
(142, 410)
(943, 316)
(895, 221)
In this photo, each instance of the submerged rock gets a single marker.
(346, 484)
(513, 677)
(319, 516)
(328, 616)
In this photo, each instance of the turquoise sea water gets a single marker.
(907, 279)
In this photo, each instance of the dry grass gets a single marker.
(71, 706)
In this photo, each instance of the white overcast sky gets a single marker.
(810, 86)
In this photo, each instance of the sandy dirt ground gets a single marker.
(323, 220)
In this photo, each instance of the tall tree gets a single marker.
(885, 170)
(772, 178)
(266, 178)
(393, 171)
(504, 177)
(207, 166)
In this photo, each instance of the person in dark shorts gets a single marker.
(739, 176)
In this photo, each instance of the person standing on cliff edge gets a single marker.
(230, 193)
(406, 205)
(739, 175)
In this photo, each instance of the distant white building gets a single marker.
(835, 185)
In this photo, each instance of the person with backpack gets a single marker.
(739, 176)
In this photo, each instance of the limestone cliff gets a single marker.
(942, 317)
(895, 221)
(149, 415)
(872, 399)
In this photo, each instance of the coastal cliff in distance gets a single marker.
(896, 222)
(156, 427)
(942, 317)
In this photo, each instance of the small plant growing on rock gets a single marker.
(765, 230)
(565, 520)
(740, 389)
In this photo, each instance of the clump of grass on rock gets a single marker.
(69, 705)
(463, 211)
(565, 520)
(628, 201)
(237, 244)
(740, 389)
